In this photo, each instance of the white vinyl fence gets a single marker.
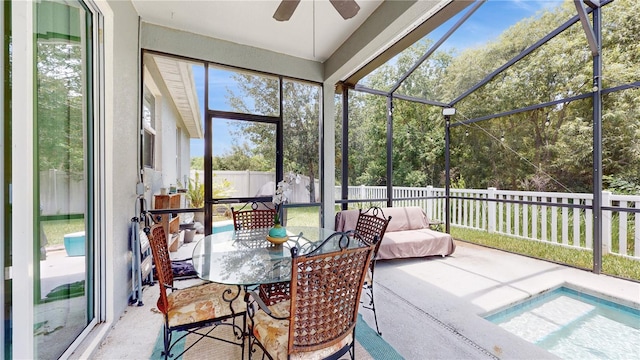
(557, 218)
(61, 194)
(258, 183)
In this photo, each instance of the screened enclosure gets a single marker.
(517, 125)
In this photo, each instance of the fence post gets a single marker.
(491, 209)
(606, 223)
(363, 194)
(429, 208)
(248, 177)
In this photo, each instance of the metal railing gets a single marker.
(564, 219)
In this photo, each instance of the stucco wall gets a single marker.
(121, 148)
(167, 170)
(167, 125)
(185, 158)
(200, 47)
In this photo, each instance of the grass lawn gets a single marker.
(611, 264)
(56, 229)
(306, 216)
(298, 216)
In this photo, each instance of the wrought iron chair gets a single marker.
(318, 319)
(198, 309)
(371, 226)
(253, 216)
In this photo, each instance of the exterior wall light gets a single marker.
(448, 111)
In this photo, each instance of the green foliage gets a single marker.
(458, 183)
(301, 127)
(60, 104)
(303, 216)
(547, 149)
(416, 178)
(56, 229)
(501, 152)
(197, 163)
(242, 157)
(620, 186)
(195, 192)
(418, 130)
(222, 189)
(556, 142)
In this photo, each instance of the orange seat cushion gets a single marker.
(203, 302)
(273, 334)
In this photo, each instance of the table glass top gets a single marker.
(245, 257)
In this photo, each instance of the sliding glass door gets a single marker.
(63, 241)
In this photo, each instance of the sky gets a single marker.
(485, 25)
(220, 81)
(489, 21)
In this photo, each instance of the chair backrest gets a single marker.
(371, 226)
(161, 258)
(325, 292)
(255, 217)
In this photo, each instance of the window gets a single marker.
(149, 132)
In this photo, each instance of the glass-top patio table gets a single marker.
(245, 257)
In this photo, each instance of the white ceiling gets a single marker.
(314, 31)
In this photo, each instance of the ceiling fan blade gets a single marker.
(285, 9)
(346, 8)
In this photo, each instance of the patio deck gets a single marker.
(427, 308)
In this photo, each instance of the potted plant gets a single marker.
(195, 194)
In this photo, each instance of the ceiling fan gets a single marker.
(346, 8)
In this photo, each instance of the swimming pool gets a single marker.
(221, 226)
(574, 325)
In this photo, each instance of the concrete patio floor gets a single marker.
(427, 308)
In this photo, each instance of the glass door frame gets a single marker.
(23, 177)
(209, 201)
(5, 304)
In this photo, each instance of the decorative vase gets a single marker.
(278, 231)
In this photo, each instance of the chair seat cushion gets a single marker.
(203, 302)
(273, 334)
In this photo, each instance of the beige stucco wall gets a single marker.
(122, 78)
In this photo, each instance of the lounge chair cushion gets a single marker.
(202, 302)
(408, 233)
(273, 335)
(415, 243)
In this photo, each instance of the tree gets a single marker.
(301, 123)
(554, 142)
(242, 157)
(547, 149)
(418, 130)
(60, 104)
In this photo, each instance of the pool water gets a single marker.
(222, 226)
(574, 325)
